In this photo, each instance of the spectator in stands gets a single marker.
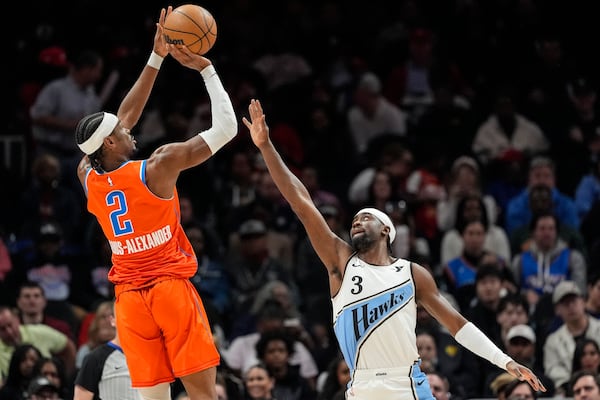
(513, 310)
(41, 388)
(31, 303)
(13, 386)
(48, 340)
(472, 207)
(520, 345)
(541, 172)
(460, 272)
(62, 102)
(541, 202)
(259, 383)
(586, 355)
(274, 349)
(334, 380)
(519, 390)
(241, 353)
(440, 386)
(585, 385)
(251, 265)
(560, 345)
(62, 274)
(53, 369)
(507, 130)
(47, 198)
(372, 115)
(548, 261)
(464, 180)
(100, 331)
(211, 279)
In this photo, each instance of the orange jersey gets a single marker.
(143, 230)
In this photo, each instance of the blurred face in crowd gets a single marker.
(511, 315)
(426, 347)
(50, 371)
(586, 388)
(474, 237)
(9, 328)
(26, 366)
(31, 300)
(542, 175)
(258, 383)
(521, 392)
(590, 359)
(545, 233)
(520, 349)
(438, 386)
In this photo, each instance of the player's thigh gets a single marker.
(179, 312)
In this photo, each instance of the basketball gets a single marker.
(192, 26)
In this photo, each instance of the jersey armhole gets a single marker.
(143, 172)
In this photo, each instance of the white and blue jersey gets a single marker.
(375, 315)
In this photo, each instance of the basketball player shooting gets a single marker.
(163, 327)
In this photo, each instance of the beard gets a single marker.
(362, 243)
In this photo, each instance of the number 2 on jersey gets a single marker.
(120, 225)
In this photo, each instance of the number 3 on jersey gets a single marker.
(116, 200)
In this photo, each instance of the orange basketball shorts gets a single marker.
(164, 331)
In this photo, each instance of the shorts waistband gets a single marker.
(382, 373)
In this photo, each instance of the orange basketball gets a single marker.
(191, 25)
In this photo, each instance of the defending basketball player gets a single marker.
(375, 295)
(163, 328)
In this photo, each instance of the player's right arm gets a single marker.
(165, 164)
(333, 251)
(133, 104)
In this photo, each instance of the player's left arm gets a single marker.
(465, 332)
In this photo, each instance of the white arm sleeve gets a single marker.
(224, 123)
(473, 339)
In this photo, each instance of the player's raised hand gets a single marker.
(160, 47)
(259, 131)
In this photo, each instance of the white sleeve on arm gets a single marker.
(473, 339)
(224, 123)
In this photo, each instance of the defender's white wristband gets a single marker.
(473, 339)
(155, 61)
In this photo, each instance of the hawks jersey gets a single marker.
(143, 230)
(375, 315)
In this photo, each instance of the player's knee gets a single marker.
(162, 391)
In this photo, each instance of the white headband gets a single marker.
(94, 142)
(383, 218)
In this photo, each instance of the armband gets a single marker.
(476, 341)
(155, 61)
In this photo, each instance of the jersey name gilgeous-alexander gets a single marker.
(141, 243)
(143, 230)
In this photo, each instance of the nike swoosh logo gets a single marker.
(419, 383)
(119, 367)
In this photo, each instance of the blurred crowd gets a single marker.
(474, 124)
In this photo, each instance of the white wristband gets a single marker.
(155, 61)
(473, 339)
